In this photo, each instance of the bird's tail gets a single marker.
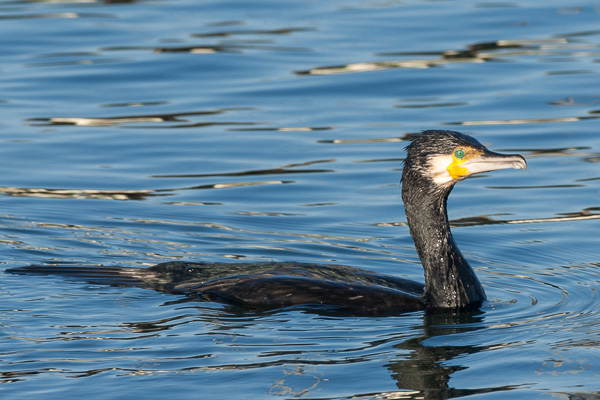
(171, 277)
(103, 275)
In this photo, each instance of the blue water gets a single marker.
(140, 132)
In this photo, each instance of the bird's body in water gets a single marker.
(435, 161)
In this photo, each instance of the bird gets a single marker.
(435, 161)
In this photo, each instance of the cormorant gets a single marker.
(435, 161)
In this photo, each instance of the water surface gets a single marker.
(140, 132)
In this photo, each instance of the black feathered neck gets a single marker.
(450, 282)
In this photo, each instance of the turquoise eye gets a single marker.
(459, 153)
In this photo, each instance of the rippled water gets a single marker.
(139, 132)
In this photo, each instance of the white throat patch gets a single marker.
(438, 169)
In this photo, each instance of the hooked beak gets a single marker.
(484, 162)
(491, 161)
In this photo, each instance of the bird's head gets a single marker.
(447, 157)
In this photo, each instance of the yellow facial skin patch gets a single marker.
(464, 161)
(459, 156)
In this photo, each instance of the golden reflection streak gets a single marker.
(395, 395)
(152, 118)
(194, 203)
(529, 320)
(135, 104)
(282, 31)
(81, 193)
(239, 184)
(223, 49)
(376, 66)
(269, 214)
(555, 219)
(298, 129)
(382, 65)
(50, 15)
(284, 129)
(121, 194)
(486, 220)
(286, 169)
(102, 121)
(474, 54)
(373, 140)
(521, 121)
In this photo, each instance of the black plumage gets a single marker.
(435, 161)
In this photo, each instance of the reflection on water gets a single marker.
(424, 372)
(237, 45)
(522, 121)
(123, 120)
(215, 49)
(230, 33)
(232, 41)
(284, 129)
(287, 169)
(82, 193)
(61, 15)
(428, 368)
(572, 216)
(481, 220)
(144, 194)
(476, 53)
(123, 194)
(370, 140)
(327, 94)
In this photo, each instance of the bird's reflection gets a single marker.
(427, 370)
(423, 371)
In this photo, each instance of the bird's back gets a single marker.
(261, 286)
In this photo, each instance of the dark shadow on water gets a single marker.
(428, 369)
